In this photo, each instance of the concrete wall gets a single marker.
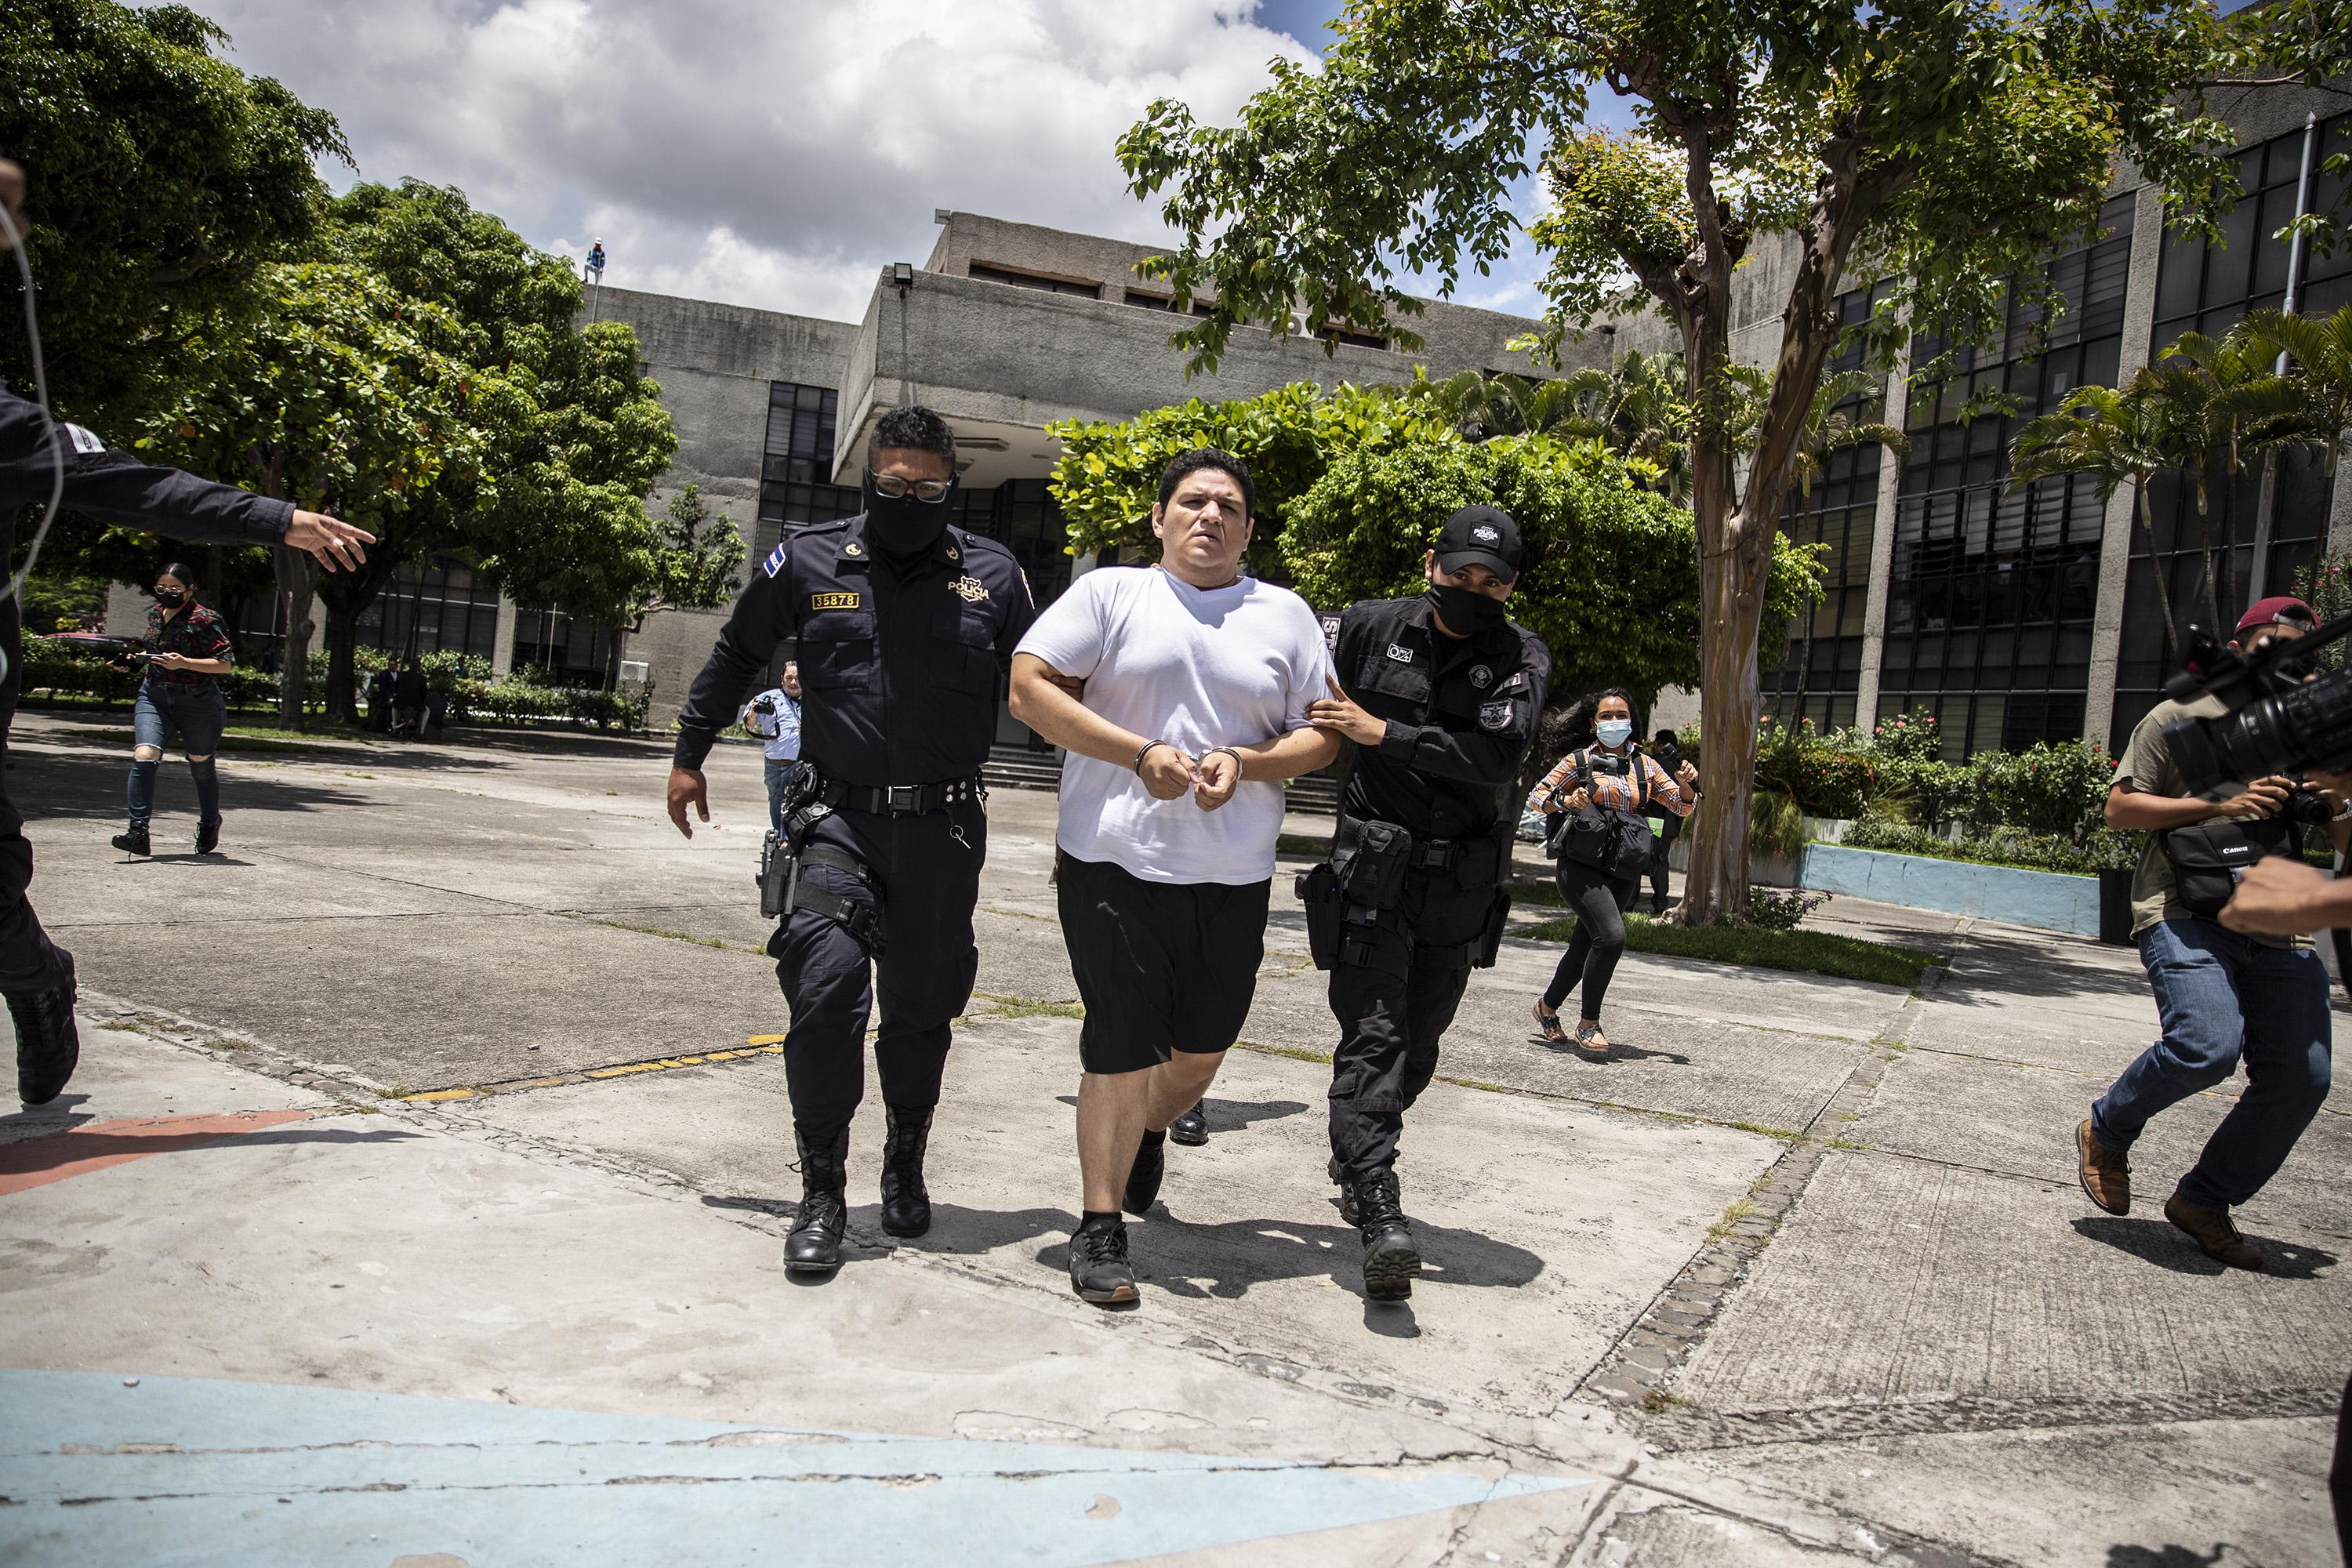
(715, 364)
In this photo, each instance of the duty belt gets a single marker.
(901, 800)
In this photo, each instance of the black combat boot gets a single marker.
(813, 1244)
(48, 1045)
(1143, 1177)
(207, 837)
(131, 841)
(905, 1203)
(1191, 1128)
(1391, 1258)
(1347, 1189)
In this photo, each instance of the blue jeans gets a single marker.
(779, 778)
(2222, 996)
(197, 714)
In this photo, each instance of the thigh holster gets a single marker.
(783, 888)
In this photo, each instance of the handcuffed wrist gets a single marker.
(1239, 769)
(1137, 763)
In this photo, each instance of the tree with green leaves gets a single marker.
(2228, 408)
(693, 564)
(1947, 147)
(158, 178)
(341, 394)
(1108, 473)
(2317, 351)
(574, 435)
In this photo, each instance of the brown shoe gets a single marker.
(2215, 1237)
(2106, 1174)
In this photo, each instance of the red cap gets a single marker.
(2282, 609)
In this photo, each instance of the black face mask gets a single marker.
(1466, 611)
(901, 526)
(170, 598)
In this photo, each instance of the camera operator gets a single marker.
(2221, 994)
(774, 716)
(186, 649)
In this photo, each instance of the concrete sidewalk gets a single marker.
(424, 1173)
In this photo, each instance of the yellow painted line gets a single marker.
(441, 1094)
(764, 1040)
(759, 1046)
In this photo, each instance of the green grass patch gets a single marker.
(1801, 951)
(1300, 844)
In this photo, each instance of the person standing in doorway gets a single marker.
(1441, 693)
(774, 716)
(187, 652)
(1196, 680)
(1616, 776)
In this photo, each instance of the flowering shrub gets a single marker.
(2056, 791)
(1827, 775)
(1913, 737)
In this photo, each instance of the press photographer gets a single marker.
(2209, 777)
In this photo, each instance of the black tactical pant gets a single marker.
(29, 963)
(1391, 1011)
(928, 871)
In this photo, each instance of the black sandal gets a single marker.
(1548, 1022)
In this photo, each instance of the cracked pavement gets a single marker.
(420, 1201)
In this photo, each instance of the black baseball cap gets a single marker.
(1481, 536)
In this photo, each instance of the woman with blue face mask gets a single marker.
(1619, 777)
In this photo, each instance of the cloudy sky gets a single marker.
(772, 152)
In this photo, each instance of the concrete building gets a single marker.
(2016, 617)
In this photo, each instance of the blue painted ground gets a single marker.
(188, 1471)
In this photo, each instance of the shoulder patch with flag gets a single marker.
(775, 561)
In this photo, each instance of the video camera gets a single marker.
(2283, 722)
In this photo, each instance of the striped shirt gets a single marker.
(1613, 792)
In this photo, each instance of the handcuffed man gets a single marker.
(1196, 680)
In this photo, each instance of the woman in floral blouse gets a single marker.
(187, 652)
(1610, 773)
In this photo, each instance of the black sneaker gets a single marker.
(1191, 1128)
(48, 1044)
(133, 841)
(1099, 1271)
(207, 837)
(1144, 1176)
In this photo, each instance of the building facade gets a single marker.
(2014, 614)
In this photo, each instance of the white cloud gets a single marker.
(769, 152)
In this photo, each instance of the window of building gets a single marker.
(429, 607)
(2276, 520)
(1331, 334)
(1145, 299)
(1990, 606)
(796, 474)
(989, 273)
(1819, 671)
(567, 649)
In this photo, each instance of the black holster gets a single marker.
(1490, 939)
(783, 889)
(1370, 860)
(1319, 890)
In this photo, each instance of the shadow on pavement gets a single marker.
(1618, 1051)
(2011, 963)
(91, 788)
(72, 1146)
(2159, 1242)
(2165, 1556)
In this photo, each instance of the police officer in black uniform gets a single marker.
(903, 623)
(40, 457)
(1441, 696)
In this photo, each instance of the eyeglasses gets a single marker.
(897, 489)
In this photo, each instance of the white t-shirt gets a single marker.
(1196, 668)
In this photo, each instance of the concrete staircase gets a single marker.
(1018, 767)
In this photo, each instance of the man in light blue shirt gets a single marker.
(774, 716)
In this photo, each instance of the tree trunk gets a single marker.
(297, 578)
(342, 665)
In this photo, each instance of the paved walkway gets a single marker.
(430, 1162)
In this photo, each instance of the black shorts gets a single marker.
(1161, 966)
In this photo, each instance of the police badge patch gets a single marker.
(1331, 633)
(1494, 716)
(972, 589)
(1480, 675)
(775, 561)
